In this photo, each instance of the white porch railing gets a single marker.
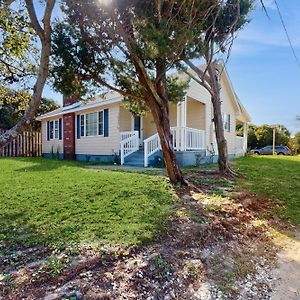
(239, 145)
(151, 145)
(126, 134)
(183, 139)
(129, 144)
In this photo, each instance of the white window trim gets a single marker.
(56, 133)
(98, 112)
(51, 139)
(54, 136)
(225, 122)
(84, 126)
(80, 115)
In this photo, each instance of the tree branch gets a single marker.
(45, 38)
(34, 20)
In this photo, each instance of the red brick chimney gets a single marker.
(69, 100)
(69, 128)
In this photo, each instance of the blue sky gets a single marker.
(262, 68)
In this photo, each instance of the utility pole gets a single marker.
(274, 136)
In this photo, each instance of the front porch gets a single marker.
(141, 143)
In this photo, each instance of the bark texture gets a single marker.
(44, 35)
(223, 162)
(162, 122)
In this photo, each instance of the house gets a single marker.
(103, 130)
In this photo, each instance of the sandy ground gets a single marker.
(287, 275)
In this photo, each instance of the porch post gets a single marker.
(183, 124)
(245, 136)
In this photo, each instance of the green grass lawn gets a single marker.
(58, 202)
(275, 177)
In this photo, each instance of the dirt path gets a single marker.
(287, 276)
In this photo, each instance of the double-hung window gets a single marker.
(100, 123)
(226, 121)
(82, 121)
(51, 130)
(91, 123)
(56, 129)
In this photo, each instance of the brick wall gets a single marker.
(69, 135)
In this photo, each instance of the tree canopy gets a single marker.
(17, 44)
(129, 46)
(260, 136)
(13, 104)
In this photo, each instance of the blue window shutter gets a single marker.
(78, 126)
(48, 131)
(60, 128)
(228, 122)
(106, 121)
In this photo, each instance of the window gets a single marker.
(100, 123)
(91, 124)
(56, 129)
(51, 130)
(226, 121)
(82, 125)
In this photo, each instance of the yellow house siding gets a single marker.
(199, 93)
(100, 145)
(195, 114)
(196, 91)
(149, 126)
(173, 114)
(52, 146)
(125, 119)
(228, 107)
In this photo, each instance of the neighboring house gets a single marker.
(103, 130)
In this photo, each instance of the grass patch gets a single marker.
(274, 177)
(58, 202)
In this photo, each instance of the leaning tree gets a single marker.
(14, 42)
(128, 46)
(213, 42)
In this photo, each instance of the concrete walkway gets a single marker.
(287, 275)
(151, 171)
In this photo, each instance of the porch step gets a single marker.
(135, 159)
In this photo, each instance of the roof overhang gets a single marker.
(79, 106)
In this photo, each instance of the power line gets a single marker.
(287, 34)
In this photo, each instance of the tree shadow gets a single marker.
(45, 164)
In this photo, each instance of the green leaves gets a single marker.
(16, 44)
(13, 104)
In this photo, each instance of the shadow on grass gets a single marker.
(46, 164)
(55, 202)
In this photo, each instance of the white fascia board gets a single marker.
(80, 108)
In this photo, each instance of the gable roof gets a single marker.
(241, 109)
(107, 99)
(114, 97)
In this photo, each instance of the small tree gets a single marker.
(128, 46)
(225, 19)
(294, 143)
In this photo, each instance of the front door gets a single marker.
(137, 126)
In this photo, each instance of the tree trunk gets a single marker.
(45, 38)
(223, 162)
(162, 122)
